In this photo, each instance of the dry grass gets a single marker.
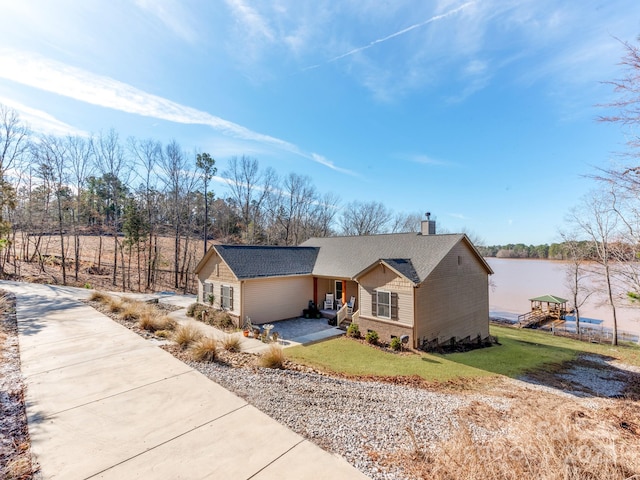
(133, 310)
(231, 343)
(115, 305)
(6, 304)
(185, 335)
(18, 468)
(204, 350)
(540, 437)
(273, 357)
(153, 323)
(99, 297)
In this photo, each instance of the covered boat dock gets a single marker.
(543, 309)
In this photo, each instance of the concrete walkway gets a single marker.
(103, 402)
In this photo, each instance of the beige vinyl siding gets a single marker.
(216, 272)
(454, 300)
(270, 299)
(383, 278)
(325, 285)
(235, 310)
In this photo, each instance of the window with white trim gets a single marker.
(226, 297)
(207, 290)
(383, 302)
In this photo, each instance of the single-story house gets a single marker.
(426, 286)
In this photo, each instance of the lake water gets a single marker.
(515, 281)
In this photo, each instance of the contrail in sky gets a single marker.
(393, 35)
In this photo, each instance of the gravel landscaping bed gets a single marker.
(363, 421)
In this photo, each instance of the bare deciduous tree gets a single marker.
(80, 151)
(14, 141)
(576, 253)
(249, 189)
(597, 219)
(364, 218)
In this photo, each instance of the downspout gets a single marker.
(241, 320)
(415, 312)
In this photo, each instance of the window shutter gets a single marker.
(374, 304)
(221, 297)
(394, 306)
(230, 298)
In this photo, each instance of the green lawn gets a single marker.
(520, 351)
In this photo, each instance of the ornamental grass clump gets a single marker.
(186, 335)
(133, 310)
(204, 350)
(273, 357)
(231, 343)
(99, 297)
(152, 323)
(115, 305)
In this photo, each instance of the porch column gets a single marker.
(344, 292)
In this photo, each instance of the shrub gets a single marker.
(273, 357)
(372, 337)
(207, 315)
(99, 297)
(191, 309)
(224, 320)
(185, 335)
(204, 350)
(396, 343)
(231, 343)
(353, 331)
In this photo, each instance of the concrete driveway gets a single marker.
(102, 402)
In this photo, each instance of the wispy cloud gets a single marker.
(62, 79)
(393, 35)
(250, 18)
(459, 216)
(173, 15)
(40, 121)
(428, 160)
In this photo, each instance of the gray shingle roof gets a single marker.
(347, 256)
(404, 266)
(253, 261)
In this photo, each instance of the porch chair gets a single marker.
(351, 305)
(328, 301)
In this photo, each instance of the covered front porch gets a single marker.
(336, 298)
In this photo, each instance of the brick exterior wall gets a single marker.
(386, 329)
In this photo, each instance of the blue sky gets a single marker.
(482, 112)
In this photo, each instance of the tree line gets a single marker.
(134, 192)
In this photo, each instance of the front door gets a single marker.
(338, 290)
